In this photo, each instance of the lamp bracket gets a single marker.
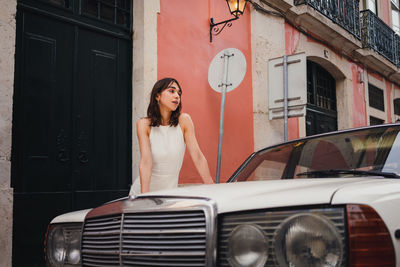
(215, 29)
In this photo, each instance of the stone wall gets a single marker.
(7, 50)
(144, 65)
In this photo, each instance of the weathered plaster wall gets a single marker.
(280, 38)
(268, 41)
(346, 74)
(344, 104)
(292, 37)
(144, 65)
(359, 98)
(7, 50)
(388, 101)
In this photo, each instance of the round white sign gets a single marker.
(236, 69)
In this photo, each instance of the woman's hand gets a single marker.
(193, 147)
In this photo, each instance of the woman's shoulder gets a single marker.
(145, 121)
(143, 124)
(184, 117)
(185, 121)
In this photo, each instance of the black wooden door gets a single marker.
(72, 118)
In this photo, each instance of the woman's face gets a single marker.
(170, 97)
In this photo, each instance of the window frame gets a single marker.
(321, 105)
(378, 95)
(118, 7)
(375, 121)
(396, 106)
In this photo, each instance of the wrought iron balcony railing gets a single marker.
(397, 49)
(378, 36)
(345, 13)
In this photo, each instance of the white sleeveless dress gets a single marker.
(167, 150)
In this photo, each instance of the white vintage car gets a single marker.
(326, 200)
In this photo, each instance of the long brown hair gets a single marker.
(153, 110)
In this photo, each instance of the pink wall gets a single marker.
(385, 11)
(185, 52)
(359, 107)
(292, 37)
(388, 103)
(375, 75)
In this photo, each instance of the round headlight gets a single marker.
(308, 240)
(56, 246)
(247, 246)
(63, 245)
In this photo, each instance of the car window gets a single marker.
(392, 163)
(346, 154)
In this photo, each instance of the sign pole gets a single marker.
(285, 96)
(224, 86)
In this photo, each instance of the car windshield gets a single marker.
(373, 152)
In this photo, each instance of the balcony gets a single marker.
(397, 49)
(361, 35)
(342, 12)
(378, 36)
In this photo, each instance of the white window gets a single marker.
(371, 5)
(395, 16)
(396, 104)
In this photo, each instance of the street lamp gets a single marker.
(236, 7)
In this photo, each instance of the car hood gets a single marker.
(269, 194)
(232, 197)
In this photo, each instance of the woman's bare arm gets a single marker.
(146, 161)
(194, 150)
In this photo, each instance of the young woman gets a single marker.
(162, 137)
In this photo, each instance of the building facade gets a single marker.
(347, 54)
(350, 48)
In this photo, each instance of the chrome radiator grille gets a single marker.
(269, 221)
(173, 238)
(101, 241)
